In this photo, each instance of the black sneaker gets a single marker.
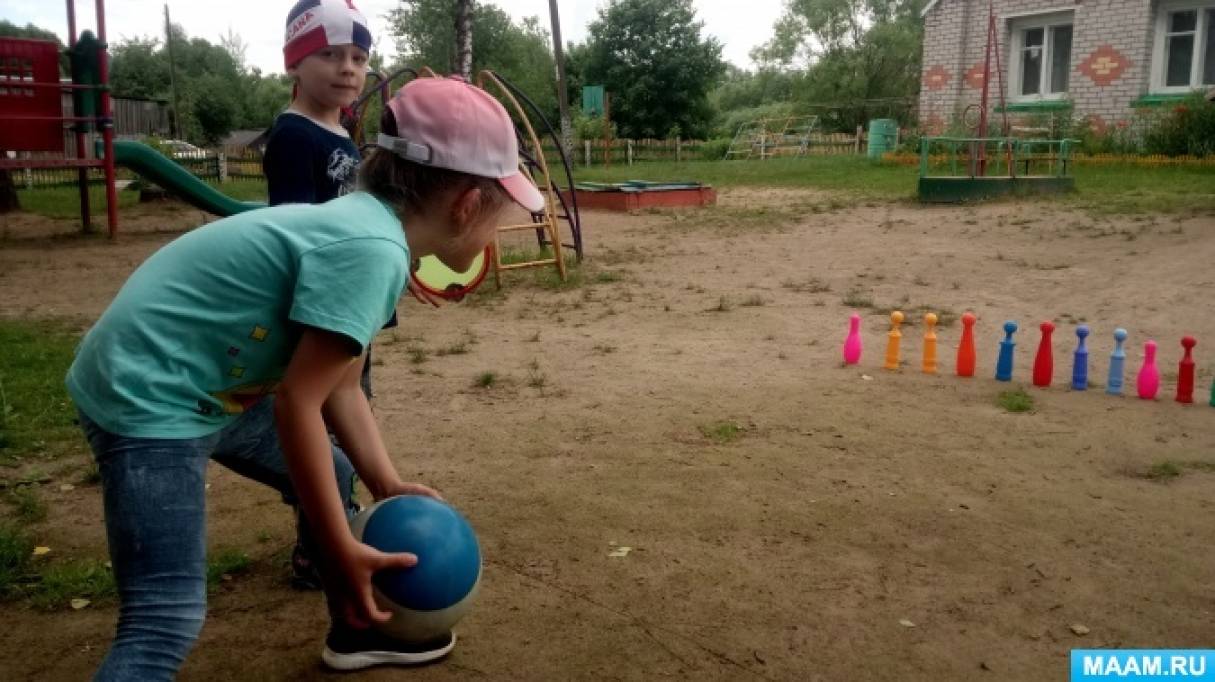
(350, 649)
(304, 574)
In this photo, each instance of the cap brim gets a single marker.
(523, 192)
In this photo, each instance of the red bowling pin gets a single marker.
(852, 345)
(1185, 372)
(1044, 363)
(1149, 376)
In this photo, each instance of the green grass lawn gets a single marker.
(64, 202)
(1113, 189)
(36, 416)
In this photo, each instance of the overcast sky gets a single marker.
(739, 25)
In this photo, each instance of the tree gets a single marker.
(650, 57)
(424, 35)
(862, 56)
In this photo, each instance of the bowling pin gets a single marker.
(1185, 371)
(852, 345)
(1080, 364)
(1113, 385)
(1044, 361)
(966, 349)
(892, 342)
(1149, 377)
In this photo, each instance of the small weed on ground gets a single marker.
(485, 380)
(722, 432)
(1016, 401)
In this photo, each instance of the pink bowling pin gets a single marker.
(852, 345)
(1149, 376)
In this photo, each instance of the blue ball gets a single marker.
(428, 599)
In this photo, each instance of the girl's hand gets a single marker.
(424, 297)
(402, 488)
(348, 581)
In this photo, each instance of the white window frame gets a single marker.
(1016, 44)
(1204, 31)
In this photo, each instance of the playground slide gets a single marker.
(163, 171)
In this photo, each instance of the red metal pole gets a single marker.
(107, 113)
(982, 156)
(82, 174)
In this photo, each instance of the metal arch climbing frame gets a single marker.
(545, 222)
(569, 200)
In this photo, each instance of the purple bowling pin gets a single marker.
(1149, 376)
(852, 345)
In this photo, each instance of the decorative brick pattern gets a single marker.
(1104, 65)
(936, 77)
(974, 77)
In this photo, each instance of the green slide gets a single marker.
(163, 171)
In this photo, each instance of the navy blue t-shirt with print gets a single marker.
(307, 162)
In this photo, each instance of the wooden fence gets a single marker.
(1141, 160)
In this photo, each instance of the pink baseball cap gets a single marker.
(448, 123)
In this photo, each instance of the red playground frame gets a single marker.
(31, 112)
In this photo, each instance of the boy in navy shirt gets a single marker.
(310, 158)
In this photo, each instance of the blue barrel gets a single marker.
(883, 136)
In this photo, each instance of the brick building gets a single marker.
(1098, 60)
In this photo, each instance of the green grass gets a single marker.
(543, 276)
(227, 562)
(60, 583)
(1167, 470)
(1102, 189)
(16, 550)
(722, 432)
(485, 380)
(1016, 401)
(64, 202)
(854, 174)
(28, 506)
(36, 416)
(1163, 471)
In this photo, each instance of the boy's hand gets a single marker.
(350, 575)
(402, 488)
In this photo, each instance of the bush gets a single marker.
(715, 150)
(1188, 128)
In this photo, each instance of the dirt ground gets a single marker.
(862, 524)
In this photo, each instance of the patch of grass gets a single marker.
(1105, 189)
(723, 306)
(722, 432)
(16, 550)
(417, 354)
(457, 348)
(64, 202)
(229, 562)
(28, 506)
(62, 582)
(36, 416)
(485, 380)
(1015, 401)
(607, 277)
(856, 299)
(859, 177)
(810, 286)
(603, 348)
(753, 301)
(535, 377)
(1163, 471)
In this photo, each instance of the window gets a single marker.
(1184, 56)
(1041, 57)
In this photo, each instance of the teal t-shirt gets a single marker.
(207, 325)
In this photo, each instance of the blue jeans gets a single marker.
(155, 518)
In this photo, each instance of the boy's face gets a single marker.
(332, 77)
